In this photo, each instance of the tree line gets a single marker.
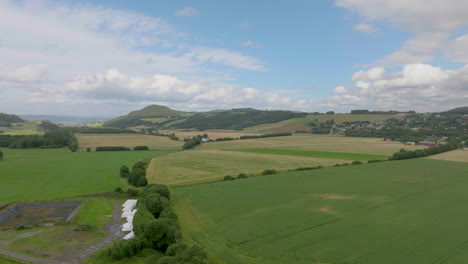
(155, 226)
(408, 154)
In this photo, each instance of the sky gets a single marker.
(110, 57)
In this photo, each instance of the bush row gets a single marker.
(408, 154)
(112, 148)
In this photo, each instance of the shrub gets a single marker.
(157, 188)
(345, 164)
(124, 171)
(229, 178)
(112, 148)
(242, 176)
(356, 162)
(375, 161)
(156, 203)
(88, 149)
(337, 165)
(268, 172)
(132, 192)
(118, 190)
(141, 148)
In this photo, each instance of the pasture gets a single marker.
(296, 124)
(19, 129)
(316, 143)
(39, 174)
(411, 211)
(317, 154)
(127, 140)
(207, 165)
(456, 155)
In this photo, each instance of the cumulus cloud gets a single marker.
(416, 87)
(27, 73)
(251, 44)
(187, 12)
(226, 57)
(371, 74)
(365, 28)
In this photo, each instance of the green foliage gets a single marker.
(124, 171)
(406, 154)
(1, 155)
(242, 176)
(138, 175)
(356, 162)
(309, 168)
(88, 149)
(112, 148)
(141, 148)
(192, 142)
(228, 178)
(47, 126)
(84, 227)
(268, 172)
(161, 233)
(181, 254)
(118, 190)
(156, 203)
(6, 119)
(157, 188)
(132, 192)
(375, 161)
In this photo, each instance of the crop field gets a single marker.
(127, 140)
(197, 165)
(297, 124)
(212, 134)
(38, 174)
(316, 143)
(411, 211)
(456, 155)
(317, 154)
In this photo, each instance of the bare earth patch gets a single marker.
(324, 209)
(339, 197)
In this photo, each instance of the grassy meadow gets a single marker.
(127, 140)
(19, 129)
(316, 143)
(317, 154)
(39, 174)
(411, 211)
(207, 165)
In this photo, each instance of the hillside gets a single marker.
(458, 110)
(7, 119)
(159, 113)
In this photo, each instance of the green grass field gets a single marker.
(317, 154)
(39, 174)
(207, 165)
(411, 211)
(315, 143)
(96, 213)
(26, 128)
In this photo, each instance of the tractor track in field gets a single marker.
(76, 256)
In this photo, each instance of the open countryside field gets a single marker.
(317, 154)
(297, 124)
(39, 174)
(26, 128)
(127, 140)
(212, 134)
(456, 155)
(205, 165)
(315, 142)
(409, 211)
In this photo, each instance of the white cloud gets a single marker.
(226, 57)
(415, 15)
(459, 49)
(187, 12)
(419, 87)
(27, 73)
(371, 74)
(365, 28)
(251, 44)
(243, 25)
(339, 90)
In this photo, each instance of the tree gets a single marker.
(124, 171)
(157, 188)
(156, 203)
(162, 233)
(1, 154)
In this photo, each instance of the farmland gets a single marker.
(315, 142)
(26, 128)
(37, 174)
(295, 124)
(317, 154)
(206, 165)
(127, 140)
(212, 134)
(457, 155)
(393, 212)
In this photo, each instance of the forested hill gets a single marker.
(135, 118)
(236, 118)
(7, 120)
(459, 110)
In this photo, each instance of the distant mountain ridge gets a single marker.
(8, 119)
(458, 110)
(156, 111)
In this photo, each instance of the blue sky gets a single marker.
(110, 57)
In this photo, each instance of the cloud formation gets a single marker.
(187, 12)
(419, 87)
(251, 44)
(27, 73)
(365, 28)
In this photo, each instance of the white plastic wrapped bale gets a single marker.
(127, 227)
(129, 236)
(126, 214)
(129, 204)
(131, 215)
